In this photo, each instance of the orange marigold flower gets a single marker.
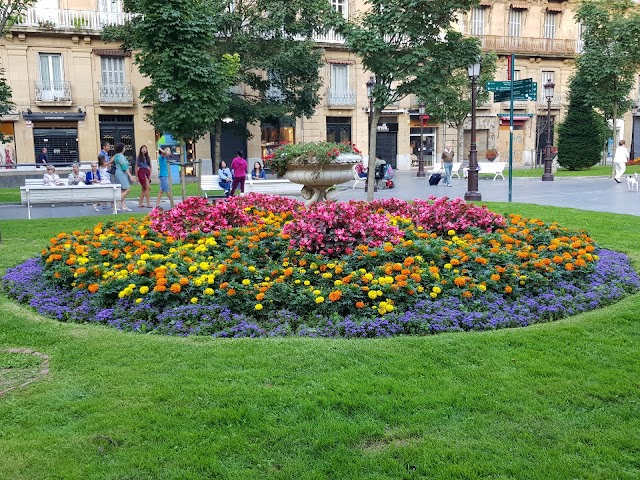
(467, 294)
(481, 260)
(175, 288)
(388, 248)
(558, 259)
(416, 277)
(335, 295)
(508, 289)
(460, 281)
(569, 266)
(235, 255)
(359, 304)
(93, 288)
(260, 296)
(184, 281)
(231, 292)
(409, 261)
(162, 281)
(57, 275)
(495, 277)
(159, 288)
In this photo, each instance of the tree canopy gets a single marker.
(409, 46)
(608, 64)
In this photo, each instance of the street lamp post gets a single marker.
(634, 111)
(421, 144)
(472, 184)
(547, 176)
(371, 83)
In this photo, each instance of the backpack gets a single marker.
(112, 168)
(388, 173)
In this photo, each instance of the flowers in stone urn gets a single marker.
(315, 153)
(491, 154)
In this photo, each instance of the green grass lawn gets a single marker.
(552, 401)
(596, 171)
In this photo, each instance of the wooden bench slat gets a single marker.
(69, 194)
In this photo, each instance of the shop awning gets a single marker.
(519, 6)
(54, 116)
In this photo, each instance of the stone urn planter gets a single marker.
(316, 177)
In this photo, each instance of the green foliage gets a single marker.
(452, 103)
(11, 11)
(122, 406)
(174, 43)
(611, 57)
(5, 98)
(317, 153)
(583, 132)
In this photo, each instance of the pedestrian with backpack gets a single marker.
(447, 163)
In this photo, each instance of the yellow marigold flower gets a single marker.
(448, 266)
(433, 294)
(388, 307)
(194, 299)
(297, 282)
(337, 283)
(138, 300)
(382, 310)
(420, 289)
(252, 268)
(482, 288)
(317, 292)
(368, 277)
(193, 268)
(362, 271)
(437, 289)
(319, 299)
(373, 294)
(307, 283)
(121, 294)
(258, 306)
(144, 289)
(327, 275)
(208, 291)
(246, 281)
(266, 279)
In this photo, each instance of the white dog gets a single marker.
(632, 182)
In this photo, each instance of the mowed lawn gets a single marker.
(551, 401)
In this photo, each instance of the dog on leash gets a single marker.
(632, 182)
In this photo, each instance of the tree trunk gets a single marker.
(371, 168)
(462, 155)
(217, 148)
(615, 140)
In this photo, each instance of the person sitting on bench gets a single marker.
(51, 178)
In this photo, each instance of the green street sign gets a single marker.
(498, 86)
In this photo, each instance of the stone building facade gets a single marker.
(73, 90)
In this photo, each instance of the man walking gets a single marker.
(163, 175)
(620, 160)
(447, 163)
(42, 158)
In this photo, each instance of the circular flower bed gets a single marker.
(263, 265)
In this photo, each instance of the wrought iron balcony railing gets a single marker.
(53, 91)
(62, 19)
(342, 97)
(115, 92)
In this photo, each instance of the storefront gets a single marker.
(273, 135)
(8, 142)
(422, 138)
(58, 133)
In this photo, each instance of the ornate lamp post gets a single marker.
(634, 111)
(472, 184)
(371, 83)
(421, 160)
(547, 176)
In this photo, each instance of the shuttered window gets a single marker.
(112, 70)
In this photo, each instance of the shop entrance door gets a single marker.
(119, 129)
(387, 147)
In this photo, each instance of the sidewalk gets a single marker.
(599, 194)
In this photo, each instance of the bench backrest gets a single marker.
(33, 181)
(40, 194)
(209, 182)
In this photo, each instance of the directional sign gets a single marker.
(520, 94)
(498, 86)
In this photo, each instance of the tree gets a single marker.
(452, 104)
(582, 133)
(409, 46)
(10, 11)
(279, 62)
(611, 56)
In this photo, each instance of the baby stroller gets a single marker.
(384, 174)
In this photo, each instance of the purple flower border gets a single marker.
(613, 279)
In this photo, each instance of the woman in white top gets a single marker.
(51, 178)
(103, 168)
(620, 160)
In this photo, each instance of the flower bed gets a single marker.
(261, 265)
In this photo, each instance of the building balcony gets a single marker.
(557, 101)
(342, 98)
(55, 19)
(116, 93)
(329, 37)
(539, 47)
(53, 93)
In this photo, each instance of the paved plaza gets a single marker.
(601, 194)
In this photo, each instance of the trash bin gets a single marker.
(175, 174)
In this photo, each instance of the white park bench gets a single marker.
(69, 194)
(276, 186)
(494, 168)
(438, 168)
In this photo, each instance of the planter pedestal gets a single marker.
(317, 178)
